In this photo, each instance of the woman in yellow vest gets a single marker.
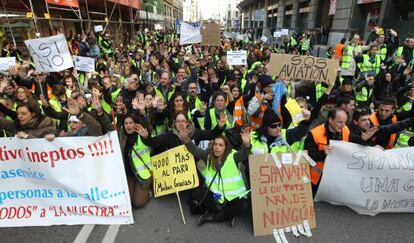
(137, 161)
(219, 109)
(224, 193)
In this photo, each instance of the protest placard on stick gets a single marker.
(303, 67)
(210, 33)
(281, 192)
(237, 57)
(50, 54)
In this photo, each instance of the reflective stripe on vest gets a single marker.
(320, 139)
(367, 66)
(139, 166)
(229, 183)
(393, 137)
(363, 95)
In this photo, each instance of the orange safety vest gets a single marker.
(258, 121)
(393, 138)
(319, 136)
(49, 91)
(238, 111)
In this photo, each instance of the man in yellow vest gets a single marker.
(350, 51)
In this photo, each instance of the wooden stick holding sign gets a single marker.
(173, 171)
(181, 207)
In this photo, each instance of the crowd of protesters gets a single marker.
(158, 95)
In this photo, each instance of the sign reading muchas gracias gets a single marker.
(281, 194)
(174, 170)
(303, 67)
(367, 179)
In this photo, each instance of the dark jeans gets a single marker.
(223, 211)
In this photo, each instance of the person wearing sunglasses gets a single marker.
(271, 138)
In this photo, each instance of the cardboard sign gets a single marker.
(367, 179)
(277, 34)
(64, 182)
(281, 192)
(284, 31)
(98, 28)
(237, 57)
(50, 54)
(174, 171)
(7, 62)
(210, 33)
(303, 67)
(85, 64)
(189, 34)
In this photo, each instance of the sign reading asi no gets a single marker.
(303, 67)
(173, 171)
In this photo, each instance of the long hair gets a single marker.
(29, 94)
(171, 107)
(214, 160)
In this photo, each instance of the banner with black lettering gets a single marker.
(368, 179)
(50, 54)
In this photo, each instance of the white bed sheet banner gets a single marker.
(79, 180)
(368, 180)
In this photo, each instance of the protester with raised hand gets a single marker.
(30, 123)
(223, 195)
(171, 140)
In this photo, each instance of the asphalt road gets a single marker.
(160, 221)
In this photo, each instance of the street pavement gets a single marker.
(160, 221)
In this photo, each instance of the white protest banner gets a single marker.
(98, 28)
(277, 34)
(85, 64)
(77, 180)
(368, 180)
(50, 54)
(237, 57)
(284, 31)
(7, 62)
(264, 39)
(189, 34)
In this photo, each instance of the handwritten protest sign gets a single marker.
(294, 110)
(237, 57)
(210, 33)
(284, 31)
(368, 180)
(78, 180)
(174, 170)
(50, 54)
(281, 193)
(189, 34)
(85, 64)
(303, 67)
(98, 28)
(277, 34)
(7, 62)
(263, 38)
(178, 25)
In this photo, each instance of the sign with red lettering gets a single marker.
(303, 67)
(67, 3)
(76, 180)
(281, 193)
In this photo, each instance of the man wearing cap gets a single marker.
(261, 101)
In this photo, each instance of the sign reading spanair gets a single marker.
(303, 67)
(368, 180)
(77, 180)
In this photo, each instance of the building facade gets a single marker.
(192, 11)
(173, 10)
(334, 19)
